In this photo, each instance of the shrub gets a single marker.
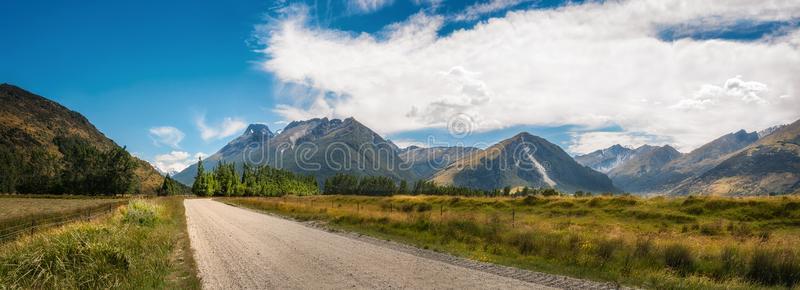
(605, 250)
(643, 247)
(741, 230)
(763, 236)
(530, 200)
(523, 242)
(772, 267)
(730, 263)
(679, 258)
(141, 213)
(406, 207)
(711, 229)
(423, 207)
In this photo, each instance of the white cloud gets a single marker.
(734, 92)
(167, 135)
(176, 161)
(588, 142)
(592, 65)
(228, 127)
(367, 6)
(475, 11)
(405, 143)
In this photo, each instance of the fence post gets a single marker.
(513, 217)
(33, 225)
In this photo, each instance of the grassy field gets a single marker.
(16, 208)
(658, 243)
(144, 245)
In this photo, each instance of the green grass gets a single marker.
(663, 243)
(142, 246)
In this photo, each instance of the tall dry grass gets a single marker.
(684, 243)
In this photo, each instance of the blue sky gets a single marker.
(199, 67)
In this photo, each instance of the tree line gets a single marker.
(254, 181)
(82, 169)
(365, 185)
(380, 185)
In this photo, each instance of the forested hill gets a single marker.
(48, 148)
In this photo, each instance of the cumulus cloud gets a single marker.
(169, 136)
(176, 161)
(228, 127)
(734, 90)
(592, 65)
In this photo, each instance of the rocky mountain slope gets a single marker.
(30, 126)
(770, 165)
(661, 169)
(321, 147)
(604, 160)
(425, 162)
(523, 160)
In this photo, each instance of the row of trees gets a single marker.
(379, 185)
(366, 185)
(83, 169)
(254, 181)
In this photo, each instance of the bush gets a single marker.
(773, 267)
(678, 257)
(530, 200)
(730, 263)
(141, 213)
(711, 229)
(643, 247)
(605, 250)
(423, 207)
(523, 242)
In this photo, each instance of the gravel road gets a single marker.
(241, 249)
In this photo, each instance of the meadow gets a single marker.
(143, 245)
(658, 243)
(22, 213)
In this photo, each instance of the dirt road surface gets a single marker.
(241, 249)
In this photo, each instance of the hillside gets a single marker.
(654, 169)
(523, 160)
(770, 165)
(425, 162)
(319, 147)
(642, 172)
(604, 160)
(34, 132)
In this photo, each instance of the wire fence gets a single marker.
(31, 225)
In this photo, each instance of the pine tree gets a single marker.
(403, 187)
(200, 184)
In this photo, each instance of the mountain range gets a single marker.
(324, 147)
(737, 163)
(748, 163)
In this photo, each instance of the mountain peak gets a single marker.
(258, 129)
